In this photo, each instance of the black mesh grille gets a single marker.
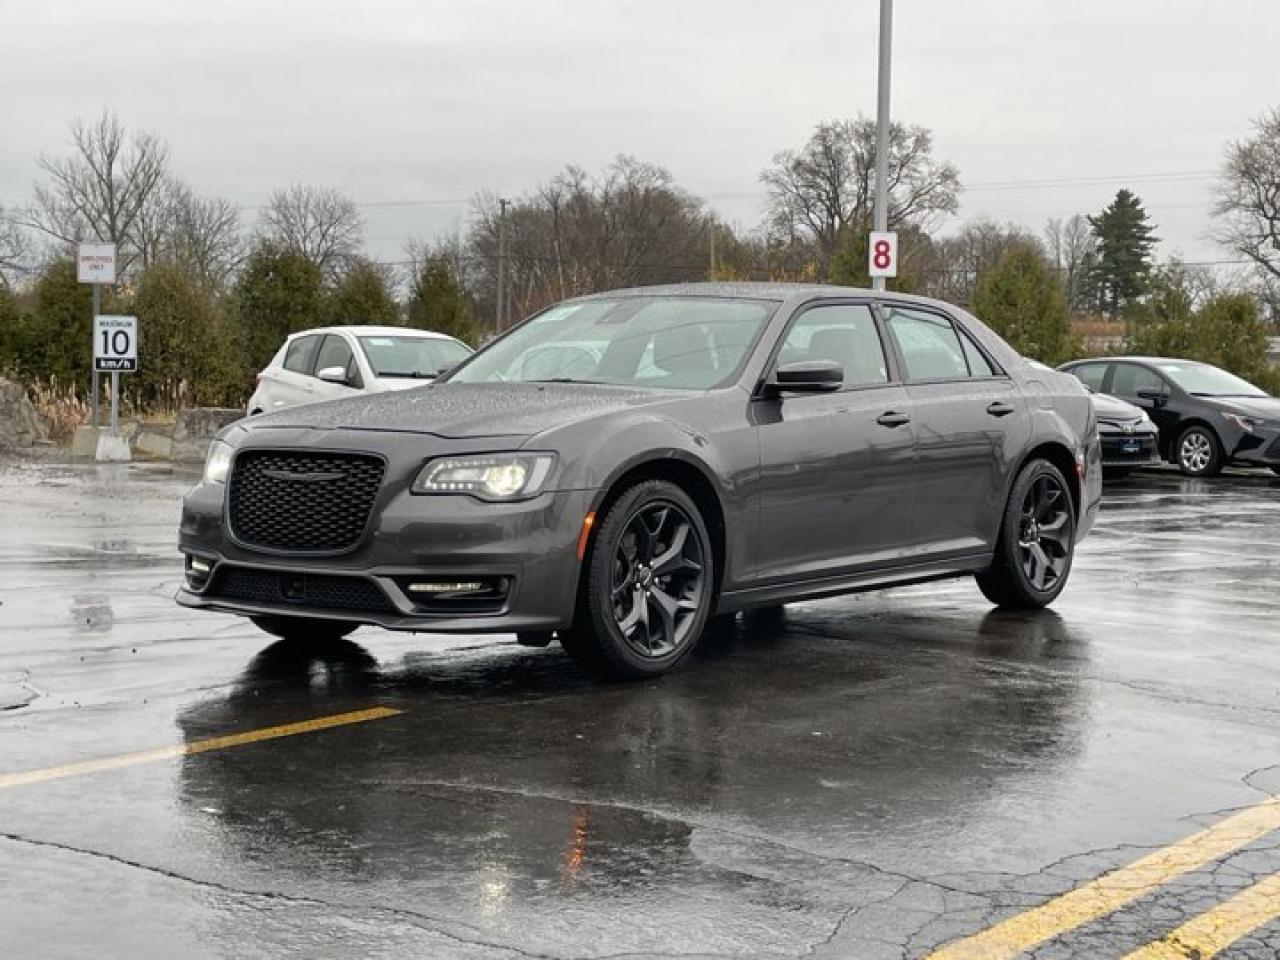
(302, 501)
(330, 592)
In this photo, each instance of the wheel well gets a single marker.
(1064, 460)
(693, 482)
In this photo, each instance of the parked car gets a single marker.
(331, 362)
(1207, 418)
(733, 446)
(1129, 437)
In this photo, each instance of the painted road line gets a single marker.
(1111, 891)
(26, 777)
(1212, 932)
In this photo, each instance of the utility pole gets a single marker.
(882, 126)
(501, 323)
(712, 275)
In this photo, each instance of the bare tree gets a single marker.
(1072, 249)
(828, 186)
(952, 264)
(13, 248)
(1248, 207)
(630, 225)
(322, 224)
(102, 190)
(205, 235)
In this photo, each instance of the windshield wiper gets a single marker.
(596, 383)
(401, 375)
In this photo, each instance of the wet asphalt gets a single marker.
(865, 777)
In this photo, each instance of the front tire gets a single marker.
(1036, 543)
(304, 628)
(1198, 452)
(648, 584)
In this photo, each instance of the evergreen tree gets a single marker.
(279, 292)
(1021, 300)
(362, 294)
(1125, 237)
(437, 302)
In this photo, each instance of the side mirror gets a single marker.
(336, 375)
(808, 376)
(1158, 398)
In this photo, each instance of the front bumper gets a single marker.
(526, 551)
(1129, 450)
(1257, 449)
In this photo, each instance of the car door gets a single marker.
(971, 423)
(835, 490)
(1138, 384)
(289, 384)
(336, 353)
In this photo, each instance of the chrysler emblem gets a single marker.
(313, 477)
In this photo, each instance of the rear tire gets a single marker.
(647, 585)
(1036, 543)
(1197, 452)
(304, 628)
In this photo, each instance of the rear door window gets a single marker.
(1091, 375)
(929, 344)
(301, 355)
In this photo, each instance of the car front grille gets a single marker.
(1113, 450)
(327, 591)
(304, 502)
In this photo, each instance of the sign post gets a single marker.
(882, 143)
(96, 265)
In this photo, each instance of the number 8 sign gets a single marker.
(882, 259)
(115, 344)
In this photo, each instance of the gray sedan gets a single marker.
(732, 446)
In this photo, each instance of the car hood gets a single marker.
(1266, 408)
(388, 384)
(466, 410)
(1108, 407)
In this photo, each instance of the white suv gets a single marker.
(331, 362)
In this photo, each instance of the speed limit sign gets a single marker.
(115, 344)
(882, 257)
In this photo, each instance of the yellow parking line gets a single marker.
(1208, 934)
(1111, 891)
(197, 746)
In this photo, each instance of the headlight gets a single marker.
(489, 476)
(1248, 424)
(1145, 418)
(218, 462)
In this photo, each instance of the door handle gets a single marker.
(1000, 409)
(892, 418)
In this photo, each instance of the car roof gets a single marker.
(761, 290)
(1135, 359)
(374, 331)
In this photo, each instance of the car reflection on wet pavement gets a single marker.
(877, 776)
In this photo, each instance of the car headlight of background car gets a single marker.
(490, 476)
(1248, 424)
(217, 463)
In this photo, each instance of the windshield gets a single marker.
(683, 343)
(410, 356)
(1206, 381)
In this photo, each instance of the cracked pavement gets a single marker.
(868, 777)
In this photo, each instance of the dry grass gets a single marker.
(60, 408)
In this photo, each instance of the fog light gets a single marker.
(447, 586)
(199, 566)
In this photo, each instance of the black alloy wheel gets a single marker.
(1045, 530)
(1036, 542)
(649, 582)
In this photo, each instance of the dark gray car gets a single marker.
(1207, 418)
(734, 446)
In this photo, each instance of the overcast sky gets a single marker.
(433, 100)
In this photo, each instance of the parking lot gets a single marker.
(903, 774)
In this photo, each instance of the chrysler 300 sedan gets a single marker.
(731, 446)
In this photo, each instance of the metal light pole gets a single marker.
(882, 125)
(501, 323)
